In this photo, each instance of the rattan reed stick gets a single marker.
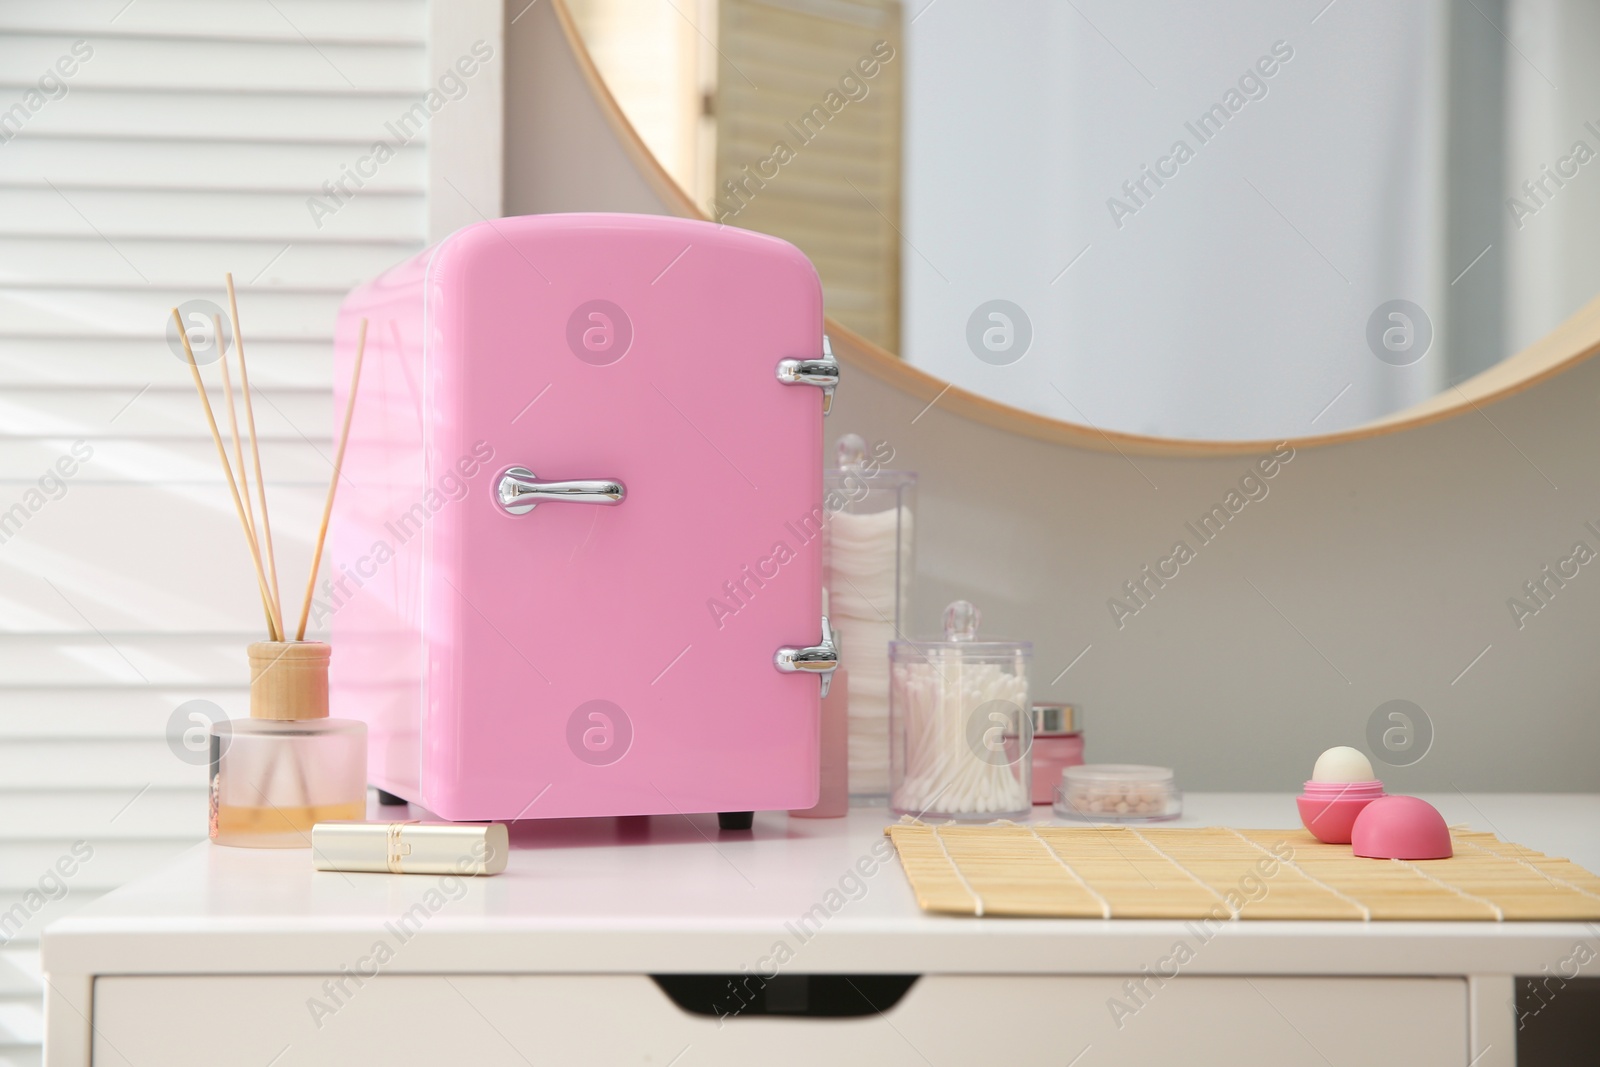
(255, 457)
(227, 470)
(333, 483)
(241, 472)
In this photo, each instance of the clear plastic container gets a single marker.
(961, 724)
(271, 781)
(869, 528)
(1118, 792)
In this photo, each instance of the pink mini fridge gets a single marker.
(577, 548)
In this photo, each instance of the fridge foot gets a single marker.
(735, 820)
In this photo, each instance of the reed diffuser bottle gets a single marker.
(288, 766)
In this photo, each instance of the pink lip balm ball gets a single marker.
(1341, 785)
(1342, 764)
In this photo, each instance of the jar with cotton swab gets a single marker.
(869, 530)
(961, 724)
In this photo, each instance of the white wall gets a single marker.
(1235, 302)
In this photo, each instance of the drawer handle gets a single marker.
(519, 493)
(815, 996)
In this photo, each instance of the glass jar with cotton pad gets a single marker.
(868, 558)
(961, 724)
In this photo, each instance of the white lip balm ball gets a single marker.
(1343, 764)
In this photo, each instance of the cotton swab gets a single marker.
(255, 456)
(333, 484)
(227, 470)
(939, 698)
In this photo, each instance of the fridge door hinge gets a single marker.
(820, 659)
(822, 373)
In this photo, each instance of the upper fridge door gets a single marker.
(608, 604)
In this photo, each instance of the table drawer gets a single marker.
(960, 1020)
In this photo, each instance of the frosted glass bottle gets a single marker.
(288, 766)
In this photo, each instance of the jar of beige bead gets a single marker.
(1118, 792)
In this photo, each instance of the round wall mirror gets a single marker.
(1250, 222)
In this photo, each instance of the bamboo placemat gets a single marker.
(1118, 872)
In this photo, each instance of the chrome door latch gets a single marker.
(822, 373)
(518, 491)
(821, 659)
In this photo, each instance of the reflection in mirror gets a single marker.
(780, 117)
(1257, 220)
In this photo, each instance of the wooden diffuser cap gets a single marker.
(289, 679)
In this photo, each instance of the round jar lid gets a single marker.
(1120, 774)
(1056, 719)
(961, 618)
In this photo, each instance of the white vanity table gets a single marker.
(235, 956)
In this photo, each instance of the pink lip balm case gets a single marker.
(1401, 828)
(1329, 809)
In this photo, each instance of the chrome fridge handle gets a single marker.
(519, 493)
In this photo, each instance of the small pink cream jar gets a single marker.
(1329, 809)
(1057, 744)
